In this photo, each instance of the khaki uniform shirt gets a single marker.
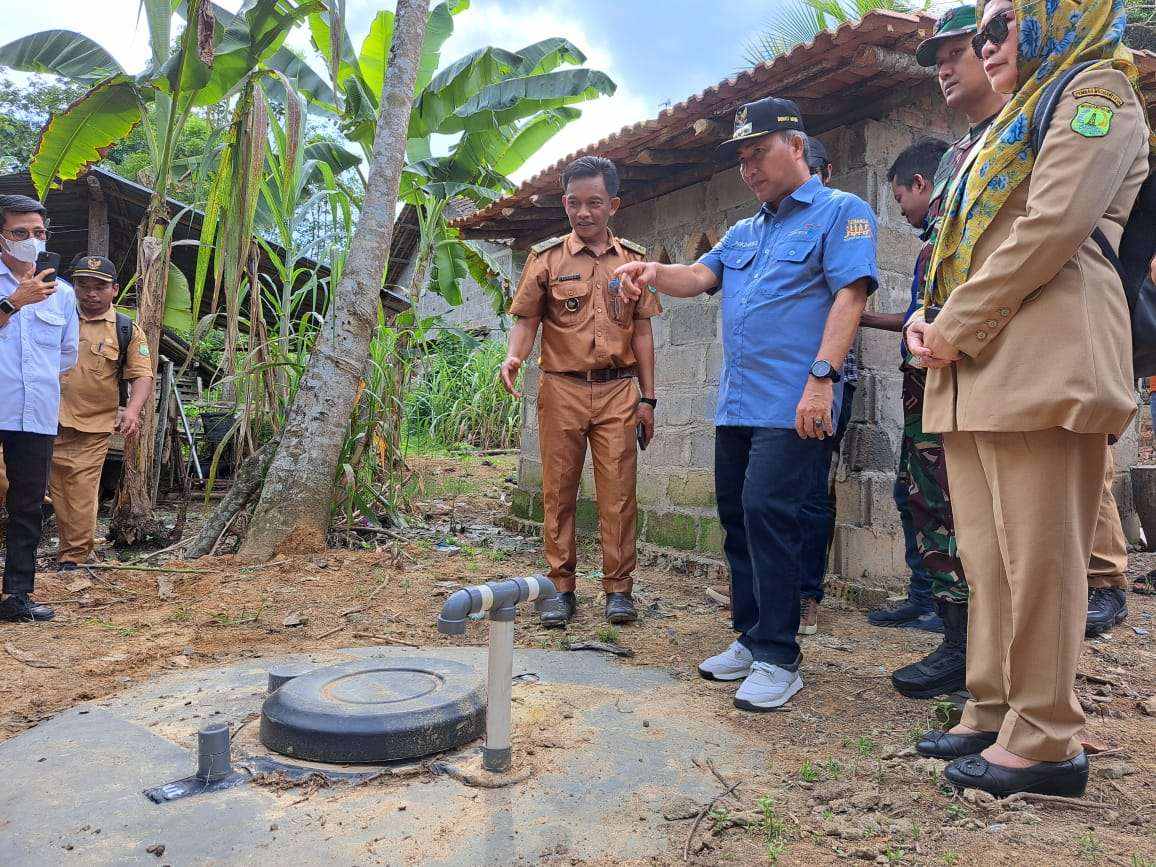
(583, 327)
(1042, 320)
(89, 393)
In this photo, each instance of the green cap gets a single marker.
(959, 21)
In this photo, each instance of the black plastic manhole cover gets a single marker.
(376, 710)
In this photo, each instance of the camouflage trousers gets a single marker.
(923, 471)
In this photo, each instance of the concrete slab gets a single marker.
(71, 788)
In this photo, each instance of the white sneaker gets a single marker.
(767, 687)
(734, 663)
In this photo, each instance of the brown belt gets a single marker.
(607, 374)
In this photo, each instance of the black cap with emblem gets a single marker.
(94, 266)
(760, 118)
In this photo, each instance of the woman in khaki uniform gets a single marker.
(1031, 374)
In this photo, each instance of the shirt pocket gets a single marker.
(795, 250)
(47, 328)
(737, 258)
(101, 360)
(568, 302)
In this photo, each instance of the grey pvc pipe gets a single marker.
(497, 755)
(499, 601)
(213, 753)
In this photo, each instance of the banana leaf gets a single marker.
(374, 56)
(518, 98)
(455, 84)
(438, 29)
(60, 52)
(76, 138)
(450, 266)
(531, 136)
(548, 55)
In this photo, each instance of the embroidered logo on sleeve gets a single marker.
(143, 349)
(857, 229)
(1092, 121)
(1102, 93)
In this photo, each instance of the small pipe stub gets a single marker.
(213, 753)
(279, 675)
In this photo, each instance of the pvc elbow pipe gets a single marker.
(498, 599)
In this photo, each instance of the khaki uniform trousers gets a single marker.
(570, 412)
(77, 459)
(1026, 506)
(1109, 558)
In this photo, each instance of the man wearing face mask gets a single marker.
(38, 342)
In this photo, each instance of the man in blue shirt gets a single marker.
(794, 279)
(38, 342)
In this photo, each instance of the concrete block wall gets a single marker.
(676, 483)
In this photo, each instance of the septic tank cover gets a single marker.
(376, 710)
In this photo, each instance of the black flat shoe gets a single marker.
(558, 610)
(944, 745)
(1066, 779)
(18, 608)
(620, 608)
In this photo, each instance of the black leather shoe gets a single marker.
(1067, 779)
(558, 610)
(944, 745)
(1107, 607)
(620, 608)
(18, 608)
(943, 670)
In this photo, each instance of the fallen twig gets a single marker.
(357, 609)
(1095, 678)
(160, 551)
(1031, 797)
(332, 631)
(385, 638)
(378, 531)
(27, 659)
(123, 567)
(280, 562)
(104, 582)
(698, 821)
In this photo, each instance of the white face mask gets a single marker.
(24, 251)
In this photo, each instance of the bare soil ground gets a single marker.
(843, 784)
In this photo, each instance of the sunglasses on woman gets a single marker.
(995, 32)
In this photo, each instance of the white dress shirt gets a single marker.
(37, 345)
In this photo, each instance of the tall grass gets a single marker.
(455, 397)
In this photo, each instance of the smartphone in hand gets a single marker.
(45, 261)
(640, 431)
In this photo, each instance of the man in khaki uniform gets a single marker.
(89, 406)
(1031, 373)
(594, 343)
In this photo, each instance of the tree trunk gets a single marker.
(245, 486)
(132, 519)
(296, 501)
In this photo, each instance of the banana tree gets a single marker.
(208, 63)
(498, 107)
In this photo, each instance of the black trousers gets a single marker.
(27, 461)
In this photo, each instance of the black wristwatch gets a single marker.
(650, 401)
(7, 306)
(821, 369)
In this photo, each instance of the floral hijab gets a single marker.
(1054, 35)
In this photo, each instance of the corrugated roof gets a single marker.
(856, 71)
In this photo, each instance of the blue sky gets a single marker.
(656, 50)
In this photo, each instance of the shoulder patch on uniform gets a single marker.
(630, 245)
(543, 246)
(1092, 121)
(857, 229)
(144, 350)
(1102, 93)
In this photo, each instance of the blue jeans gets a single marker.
(763, 479)
(819, 512)
(919, 584)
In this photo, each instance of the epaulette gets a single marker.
(630, 245)
(543, 246)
